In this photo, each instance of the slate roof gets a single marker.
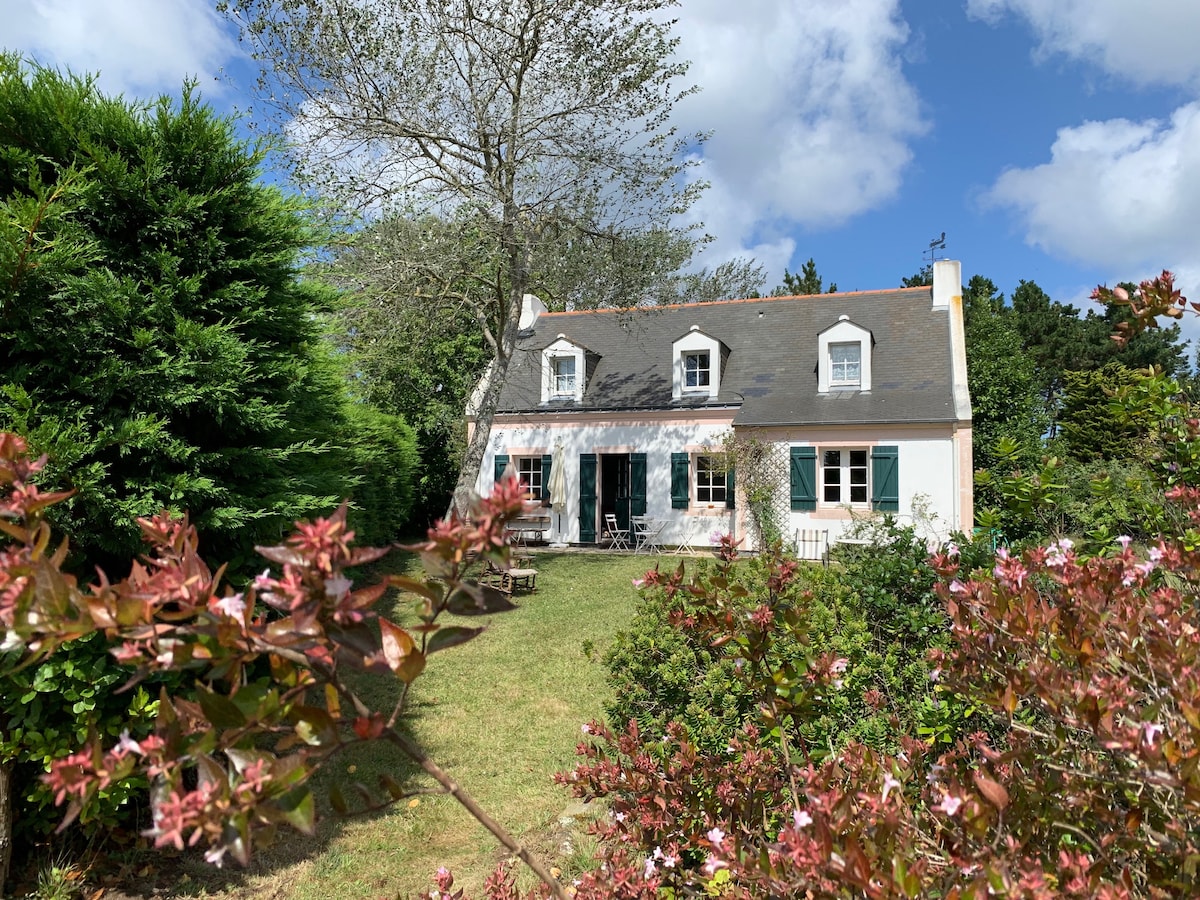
(771, 368)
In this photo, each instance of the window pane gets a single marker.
(529, 471)
(845, 362)
(858, 458)
(695, 369)
(710, 480)
(564, 374)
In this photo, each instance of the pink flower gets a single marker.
(233, 606)
(889, 784)
(800, 818)
(715, 836)
(1124, 540)
(712, 864)
(949, 804)
(1150, 732)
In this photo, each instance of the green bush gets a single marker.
(49, 710)
(159, 345)
(877, 611)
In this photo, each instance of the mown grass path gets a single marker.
(502, 714)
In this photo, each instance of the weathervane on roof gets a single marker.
(938, 243)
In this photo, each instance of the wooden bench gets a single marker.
(507, 581)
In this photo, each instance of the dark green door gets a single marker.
(587, 498)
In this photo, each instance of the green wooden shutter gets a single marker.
(501, 465)
(547, 465)
(587, 498)
(637, 484)
(680, 464)
(885, 479)
(730, 480)
(804, 478)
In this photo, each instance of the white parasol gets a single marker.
(558, 487)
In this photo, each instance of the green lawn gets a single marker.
(501, 714)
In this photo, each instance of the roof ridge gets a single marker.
(620, 309)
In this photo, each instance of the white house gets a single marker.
(860, 399)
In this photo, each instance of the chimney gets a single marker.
(531, 308)
(947, 282)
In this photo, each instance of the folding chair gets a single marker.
(618, 537)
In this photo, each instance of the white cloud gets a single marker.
(1147, 41)
(141, 48)
(1114, 193)
(810, 111)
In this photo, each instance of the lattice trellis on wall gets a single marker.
(763, 476)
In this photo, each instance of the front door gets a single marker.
(614, 487)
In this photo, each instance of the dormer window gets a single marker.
(564, 370)
(697, 359)
(696, 370)
(564, 375)
(844, 357)
(845, 362)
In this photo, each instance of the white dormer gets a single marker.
(563, 370)
(844, 357)
(695, 365)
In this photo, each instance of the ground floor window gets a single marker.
(710, 480)
(844, 477)
(529, 472)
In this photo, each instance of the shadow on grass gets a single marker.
(523, 689)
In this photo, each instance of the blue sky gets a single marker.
(1053, 140)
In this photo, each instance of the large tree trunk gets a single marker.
(468, 475)
(6, 822)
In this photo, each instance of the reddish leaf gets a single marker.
(992, 790)
(400, 651)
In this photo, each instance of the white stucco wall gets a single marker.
(930, 476)
(929, 469)
(658, 436)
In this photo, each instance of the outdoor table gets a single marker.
(645, 533)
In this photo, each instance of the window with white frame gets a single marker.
(710, 480)
(696, 370)
(562, 370)
(845, 365)
(529, 473)
(844, 477)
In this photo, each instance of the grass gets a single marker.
(501, 714)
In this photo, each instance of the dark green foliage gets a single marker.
(1089, 424)
(877, 611)
(892, 582)
(156, 339)
(1058, 339)
(421, 362)
(922, 278)
(806, 281)
(386, 461)
(1003, 393)
(158, 343)
(48, 711)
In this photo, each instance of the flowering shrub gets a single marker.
(1088, 783)
(214, 782)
